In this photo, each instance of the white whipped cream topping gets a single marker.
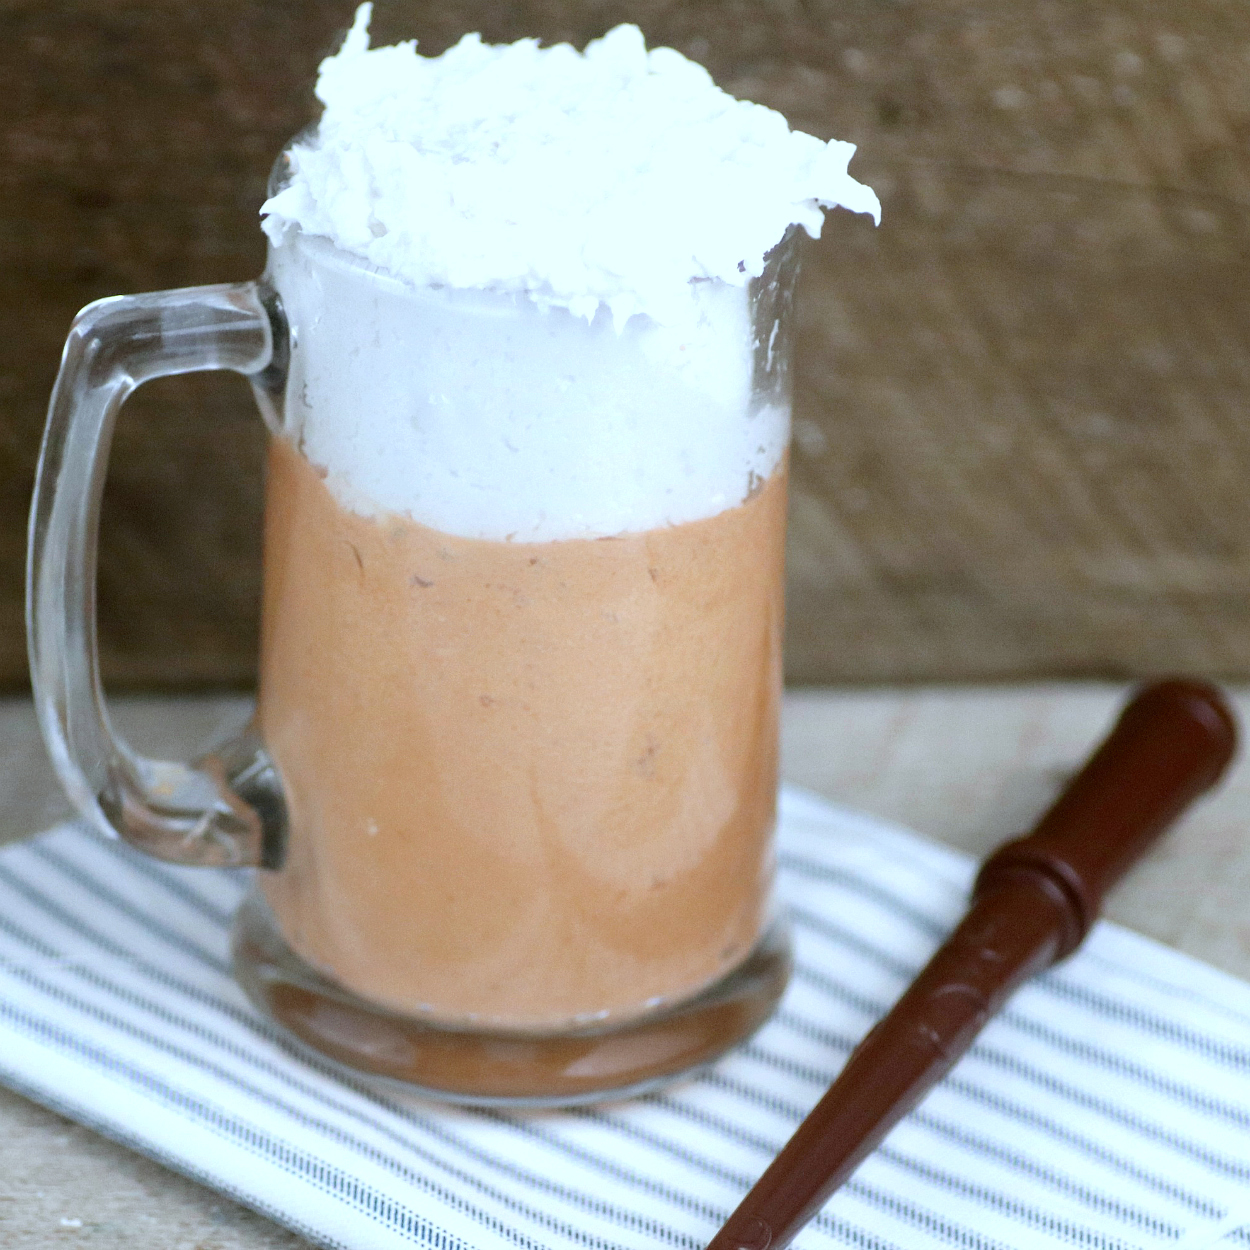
(613, 176)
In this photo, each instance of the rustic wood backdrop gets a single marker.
(1021, 444)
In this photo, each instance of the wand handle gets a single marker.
(1033, 902)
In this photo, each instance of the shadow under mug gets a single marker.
(257, 801)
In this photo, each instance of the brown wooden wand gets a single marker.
(1033, 902)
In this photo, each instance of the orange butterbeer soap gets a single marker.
(529, 783)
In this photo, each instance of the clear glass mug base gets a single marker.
(502, 1069)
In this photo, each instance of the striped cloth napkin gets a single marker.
(1108, 1107)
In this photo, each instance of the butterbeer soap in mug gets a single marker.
(522, 625)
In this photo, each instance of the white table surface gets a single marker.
(967, 766)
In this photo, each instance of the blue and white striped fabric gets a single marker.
(1108, 1108)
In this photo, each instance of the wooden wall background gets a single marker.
(1022, 442)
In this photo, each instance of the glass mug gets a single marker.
(511, 795)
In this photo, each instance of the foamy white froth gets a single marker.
(517, 280)
(611, 176)
(481, 414)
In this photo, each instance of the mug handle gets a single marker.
(225, 809)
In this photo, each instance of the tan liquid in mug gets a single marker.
(528, 782)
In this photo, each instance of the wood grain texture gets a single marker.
(136, 140)
(1020, 444)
